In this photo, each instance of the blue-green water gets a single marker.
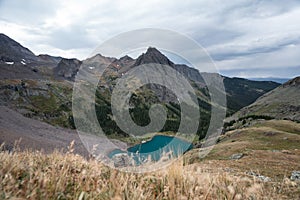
(155, 148)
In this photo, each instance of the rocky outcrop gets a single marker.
(292, 82)
(295, 176)
(67, 68)
(259, 176)
(236, 156)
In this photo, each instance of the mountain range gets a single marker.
(260, 138)
(40, 87)
(274, 79)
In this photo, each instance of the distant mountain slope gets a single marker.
(280, 103)
(18, 62)
(242, 92)
(277, 80)
(12, 51)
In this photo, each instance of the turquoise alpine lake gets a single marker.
(158, 146)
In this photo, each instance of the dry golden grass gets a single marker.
(34, 175)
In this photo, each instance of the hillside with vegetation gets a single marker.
(280, 103)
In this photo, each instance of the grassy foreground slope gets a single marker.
(270, 148)
(33, 175)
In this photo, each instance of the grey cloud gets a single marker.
(30, 12)
(214, 36)
(284, 72)
(256, 50)
(70, 38)
(228, 30)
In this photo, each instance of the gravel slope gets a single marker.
(39, 135)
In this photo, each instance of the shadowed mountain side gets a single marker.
(12, 51)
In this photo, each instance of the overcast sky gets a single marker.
(245, 38)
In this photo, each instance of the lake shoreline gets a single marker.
(159, 139)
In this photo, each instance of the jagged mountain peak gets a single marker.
(100, 58)
(153, 55)
(153, 50)
(126, 58)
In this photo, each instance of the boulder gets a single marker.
(236, 156)
(260, 177)
(295, 176)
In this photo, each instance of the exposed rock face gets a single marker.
(189, 72)
(20, 90)
(48, 101)
(125, 59)
(67, 68)
(12, 51)
(124, 64)
(49, 59)
(154, 56)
